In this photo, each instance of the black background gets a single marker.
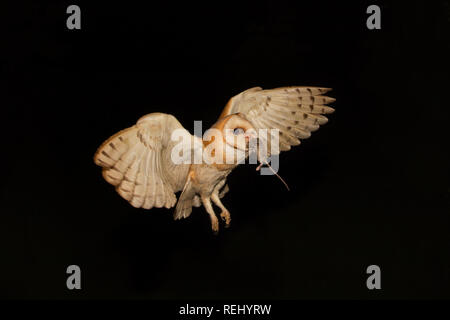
(370, 187)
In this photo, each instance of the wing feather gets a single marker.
(137, 161)
(294, 111)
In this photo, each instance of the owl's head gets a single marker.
(236, 131)
(228, 140)
(231, 135)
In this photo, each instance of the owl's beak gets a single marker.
(250, 134)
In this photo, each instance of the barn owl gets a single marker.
(139, 161)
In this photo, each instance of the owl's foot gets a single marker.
(214, 221)
(215, 225)
(225, 215)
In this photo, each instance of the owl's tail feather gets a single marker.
(185, 201)
(224, 191)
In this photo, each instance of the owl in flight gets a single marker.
(143, 161)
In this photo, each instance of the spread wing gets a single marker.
(294, 111)
(138, 161)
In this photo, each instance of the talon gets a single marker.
(215, 226)
(225, 215)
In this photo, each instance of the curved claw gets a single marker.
(225, 215)
(215, 226)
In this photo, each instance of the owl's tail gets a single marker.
(185, 201)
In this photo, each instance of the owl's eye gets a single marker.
(238, 131)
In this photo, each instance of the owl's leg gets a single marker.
(225, 214)
(214, 221)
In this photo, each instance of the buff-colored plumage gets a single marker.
(138, 161)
